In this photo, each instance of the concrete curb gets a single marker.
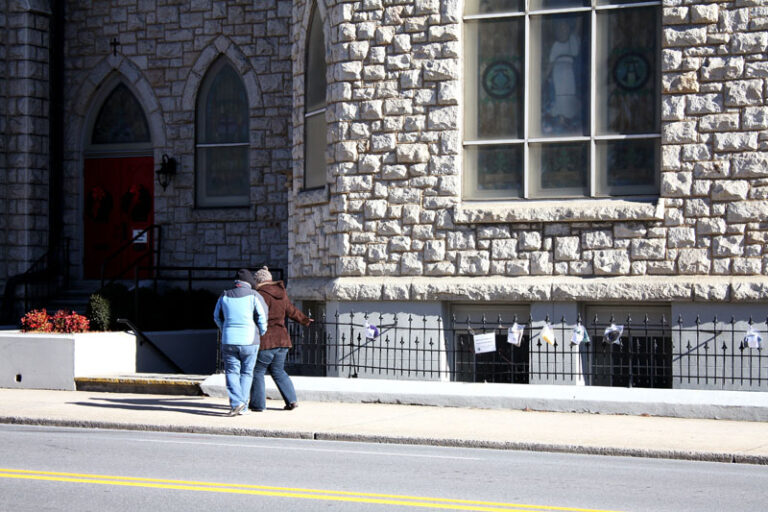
(673, 403)
(363, 438)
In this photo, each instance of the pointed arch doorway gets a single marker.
(118, 189)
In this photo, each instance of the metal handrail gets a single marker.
(143, 338)
(155, 251)
(52, 264)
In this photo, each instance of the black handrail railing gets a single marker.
(154, 233)
(51, 270)
(143, 338)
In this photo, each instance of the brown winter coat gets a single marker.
(279, 307)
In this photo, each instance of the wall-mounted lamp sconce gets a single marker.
(167, 171)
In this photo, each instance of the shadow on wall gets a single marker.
(194, 351)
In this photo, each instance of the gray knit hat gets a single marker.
(263, 275)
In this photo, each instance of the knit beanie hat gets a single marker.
(245, 276)
(263, 275)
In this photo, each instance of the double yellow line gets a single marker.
(283, 492)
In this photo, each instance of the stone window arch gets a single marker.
(222, 139)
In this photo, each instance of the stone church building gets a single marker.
(542, 158)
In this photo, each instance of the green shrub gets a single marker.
(99, 312)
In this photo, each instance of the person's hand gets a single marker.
(311, 320)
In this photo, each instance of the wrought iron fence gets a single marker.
(712, 354)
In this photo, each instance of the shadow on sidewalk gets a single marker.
(184, 405)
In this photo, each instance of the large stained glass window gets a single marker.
(315, 127)
(222, 143)
(120, 120)
(561, 100)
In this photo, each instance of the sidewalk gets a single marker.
(607, 434)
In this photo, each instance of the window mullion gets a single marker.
(526, 100)
(592, 103)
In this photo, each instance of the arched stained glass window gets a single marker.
(315, 127)
(222, 143)
(121, 119)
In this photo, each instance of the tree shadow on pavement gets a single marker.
(183, 405)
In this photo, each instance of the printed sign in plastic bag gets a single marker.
(752, 339)
(515, 334)
(371, 331)
(485, 342)
(548, 334)
(613, 334)
(579, 335)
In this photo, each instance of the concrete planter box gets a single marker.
(53, 361)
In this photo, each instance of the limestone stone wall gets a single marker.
(24, 127)
(394, 208)
(165, 49)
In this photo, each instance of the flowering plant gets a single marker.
(37, 320)
(61, 322)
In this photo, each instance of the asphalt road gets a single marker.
(47, 469)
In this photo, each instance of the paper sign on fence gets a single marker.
(613, 334)
(579, 335)
(485, 342)
(515, 334)
(547, 334)
(371, 331)
(752, 338)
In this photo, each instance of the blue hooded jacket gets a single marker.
(235, 312)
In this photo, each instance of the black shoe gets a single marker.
(291, 406)
(255, 409)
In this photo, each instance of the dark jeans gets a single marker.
(272, 360)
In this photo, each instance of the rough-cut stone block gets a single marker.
(679, 133)
(530, 241)
(566, 248)
(412, 153)
(730, 190)
(722, 68)
(677, 36)
(504, 249)
(681, 237)
(747, 211)
(727, 246)
(693, 261)
(602, 239)
(751, 165)
(742, 93)
(611, 262)
(654, 249)
(473, 262)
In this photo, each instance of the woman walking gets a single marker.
(275, 343)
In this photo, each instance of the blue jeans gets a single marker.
(272, 360)
(238, 366)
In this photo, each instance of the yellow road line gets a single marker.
(285, 492)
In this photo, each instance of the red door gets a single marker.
(119, 199)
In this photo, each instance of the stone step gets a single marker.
(143, 383)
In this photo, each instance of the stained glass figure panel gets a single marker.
(559, 75)
(627, 79)
(494, 79)
(120, 120)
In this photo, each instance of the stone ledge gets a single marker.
(311, 197)
(747, 289)
(582, 210)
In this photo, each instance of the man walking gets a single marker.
(234, 314)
